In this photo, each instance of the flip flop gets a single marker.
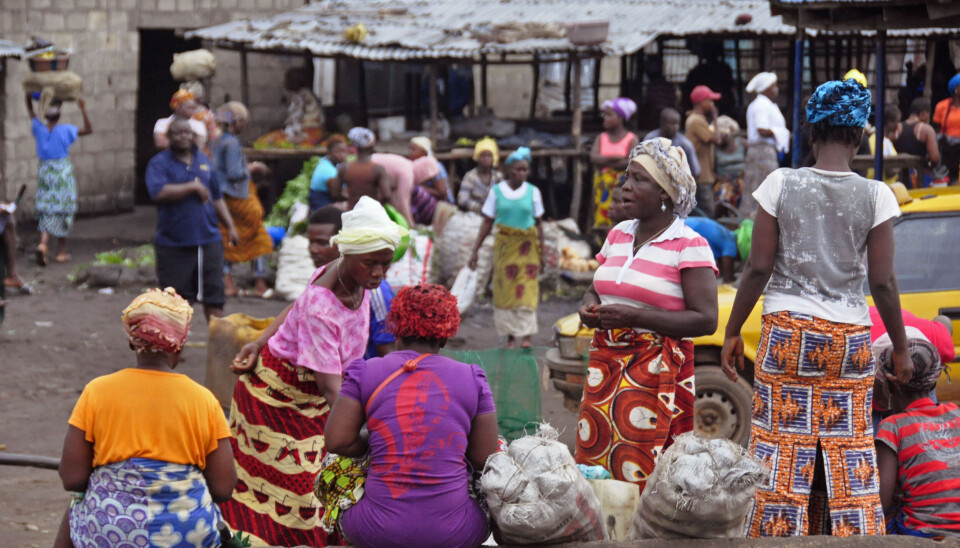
(22, 288)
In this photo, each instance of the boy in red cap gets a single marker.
(702, 131)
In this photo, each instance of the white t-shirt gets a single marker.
(199, 130)
(490, 204)
(824, 219)
(762, 113)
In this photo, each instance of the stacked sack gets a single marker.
(189, 66)
(700, 488)
(49, 77)
(537, 495)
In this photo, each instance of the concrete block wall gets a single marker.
(103, 35)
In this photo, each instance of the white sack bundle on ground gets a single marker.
(700, 488)
(418, 265)
(198, 64)
(537, 495)
(294, 267)
(61, 85)
(454, 245)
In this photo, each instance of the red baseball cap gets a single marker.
(702, 93)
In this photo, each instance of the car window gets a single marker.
(926, 256)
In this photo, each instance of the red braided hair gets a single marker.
(425, 311)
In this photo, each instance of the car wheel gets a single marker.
(722, 408)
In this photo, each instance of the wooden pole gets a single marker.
(536, 85)
(880, 98)
(928, 77)
(576, 129)
(432, 84)
(362, 84)
(483, 80)
(244, 81)
(16, 459)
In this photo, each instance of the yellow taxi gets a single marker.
(927, 265)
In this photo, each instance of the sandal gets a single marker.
(41, 255)
(22, 287)
(63, 258)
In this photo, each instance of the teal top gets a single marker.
(517, 213)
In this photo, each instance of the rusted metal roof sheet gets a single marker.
(461, 29)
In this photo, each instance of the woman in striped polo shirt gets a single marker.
(655, 288)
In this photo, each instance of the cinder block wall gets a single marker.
(103, 35)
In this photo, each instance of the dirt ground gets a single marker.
(54, 342)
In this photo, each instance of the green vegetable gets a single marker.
(295, 191)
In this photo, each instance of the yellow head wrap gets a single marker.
(367, 228)
(158, 321)
(668, 166)
(854, 74)
(487, 145)
(181, 97)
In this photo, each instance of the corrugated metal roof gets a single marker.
(423, 29)
(10, 49)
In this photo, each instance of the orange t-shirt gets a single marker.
(157, 415)
(950, 127)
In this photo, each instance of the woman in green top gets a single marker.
(515, 207)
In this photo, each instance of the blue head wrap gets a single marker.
(522, 153)
(843, 104)
(953, 83)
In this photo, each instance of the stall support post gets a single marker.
(576, 128)
(797, 92)
(432, 85)
(881, 85)
(536, 85)
(928, 77)
(244, 80)
(483, 81)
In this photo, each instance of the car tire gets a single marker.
(722, 408)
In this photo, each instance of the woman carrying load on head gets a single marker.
(655, 288)
(609, 155)
(240, 196)
(515, 207)
(432, 424)
(290, 377)
(814, 372)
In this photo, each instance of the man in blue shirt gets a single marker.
(723, 243)
(189, 203)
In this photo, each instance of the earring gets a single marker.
(663, 205)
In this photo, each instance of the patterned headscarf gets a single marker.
(361, 137)
(669, 167)
(487, 145)
(623, 106)
(927, 366)
(157, 321)
(839, 103)
(522, 153)
(181, 97)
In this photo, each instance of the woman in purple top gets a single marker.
(429, 429)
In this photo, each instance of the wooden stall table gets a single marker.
(900, 162)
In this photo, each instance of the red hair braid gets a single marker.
(425, 311)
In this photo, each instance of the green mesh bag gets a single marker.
(515, 383)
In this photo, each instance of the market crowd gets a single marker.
(347, 425)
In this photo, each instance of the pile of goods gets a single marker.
(295, 191)
(537, 495)
(700, 488)
(49, 79)
(571, 261)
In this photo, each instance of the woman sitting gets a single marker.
(292, 376)
(655, 289)
(147, 449)
(429, 430)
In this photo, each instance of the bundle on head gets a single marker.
(57, 85)
(198, 64)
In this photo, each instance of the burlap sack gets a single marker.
(61, 85)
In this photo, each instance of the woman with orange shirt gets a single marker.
(147, 452)
(946, 120)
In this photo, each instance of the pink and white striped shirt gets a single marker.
(651, 278)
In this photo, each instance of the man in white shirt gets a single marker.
(767, 136)
(184, 105)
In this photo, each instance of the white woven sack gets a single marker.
(537, 495)
(700, 488)
(294, 267)
(465, 289)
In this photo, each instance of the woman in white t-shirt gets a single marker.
(813, 380)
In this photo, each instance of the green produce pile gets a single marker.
(295, 191)
(133, 257)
